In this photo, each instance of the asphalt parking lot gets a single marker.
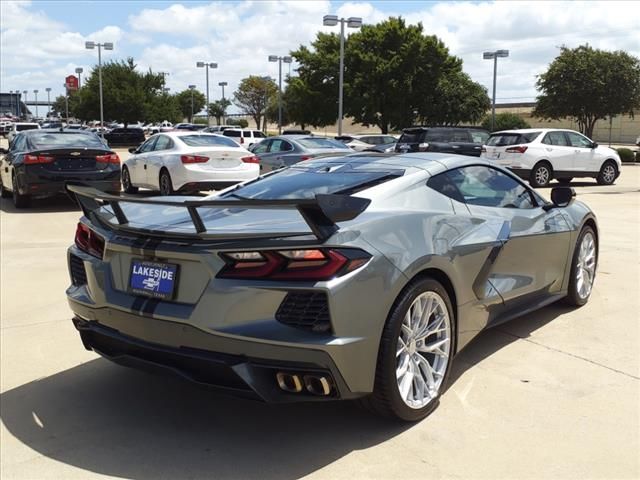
(554, 394)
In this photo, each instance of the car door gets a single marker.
(137, 162)
(528, 266)
(585, 158)
(262, 151)
(556, 149)
(155, 160)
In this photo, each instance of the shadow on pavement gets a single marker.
(59, 203)
(119, 422)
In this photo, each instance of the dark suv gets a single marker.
(460, 140)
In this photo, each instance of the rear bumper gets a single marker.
(195, 178)
(47, 184)
(238, 367)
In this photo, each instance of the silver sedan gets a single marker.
(284, 151)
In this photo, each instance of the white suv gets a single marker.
(542, 154)
(244, 136)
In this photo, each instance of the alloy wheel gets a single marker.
(586, 267)
(542, 175)
(423, 350)
(608, 173)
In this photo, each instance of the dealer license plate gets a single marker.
(153, 279)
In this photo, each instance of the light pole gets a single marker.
(206, 66)
(25, 92)
(107, 46)
(79, 71)
(192, 88)
(48, 89)
(36, 94)
(352, 22)
(494, 56)
(285, 59)
(223, 84)
(164, 78)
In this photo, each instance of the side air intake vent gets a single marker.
(309, 310)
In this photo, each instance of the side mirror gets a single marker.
(594, 145)
(133, 150)
(561, 197)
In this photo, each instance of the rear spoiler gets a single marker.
(321, 213)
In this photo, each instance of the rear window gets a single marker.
(20, 128)
(258, 134)
(232, 133)
(505, 139)
(208, 141)
(412, 137)
(305, 183)
(320, 143)
(65, 140)
(479, 136)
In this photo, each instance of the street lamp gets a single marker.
(352, 22)
(48, 89)
(223, 84)
(106, 46)
(207, 66)
(25, 92)
(164, 78)
(192, 88)
(494, 56)
(285, 59)
(36, 94)
(79, 72)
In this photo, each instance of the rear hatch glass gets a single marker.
(511, 138)
(71, 151)
(412, 137)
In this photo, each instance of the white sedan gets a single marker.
(187, 161)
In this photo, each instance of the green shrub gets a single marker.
(240, 122)
(504, 121)
(626, 154)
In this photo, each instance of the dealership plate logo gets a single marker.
(75, 154)
(153, 279)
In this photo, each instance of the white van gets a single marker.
(244, 136)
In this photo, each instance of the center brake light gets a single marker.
(193, 159)
(305, 264)
(108, 158)
(35, 159)
(518, 149)
(89, 241)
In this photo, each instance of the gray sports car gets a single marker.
(352, 277)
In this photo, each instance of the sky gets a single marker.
(41, 42)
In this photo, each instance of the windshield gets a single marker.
(208, 141)
(65, 140)
(320, 143)
(305, 183)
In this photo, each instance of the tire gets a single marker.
(19, 200)
(584, 262)
(127, 186)
(608, 173)
(565, 181)
(541, 175)
(395, 352)
(164, 182)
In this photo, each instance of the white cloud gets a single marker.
(239, 37)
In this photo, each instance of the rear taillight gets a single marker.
(89, 241)
(423, 147)
(108, 158)
(34, 159)
(241, 139)
(193, 159)
(251, 159)
(518, 149)
(305, 157)
(308, 264)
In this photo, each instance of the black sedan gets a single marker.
(40, 162)
(130, 136)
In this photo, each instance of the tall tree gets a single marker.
(589, 85)
(218, 109)
(252, 96)
(184, 99)
(455, 99)
(161, 107)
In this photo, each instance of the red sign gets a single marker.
(71, 82)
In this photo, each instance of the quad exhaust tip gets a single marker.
(314, 384)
